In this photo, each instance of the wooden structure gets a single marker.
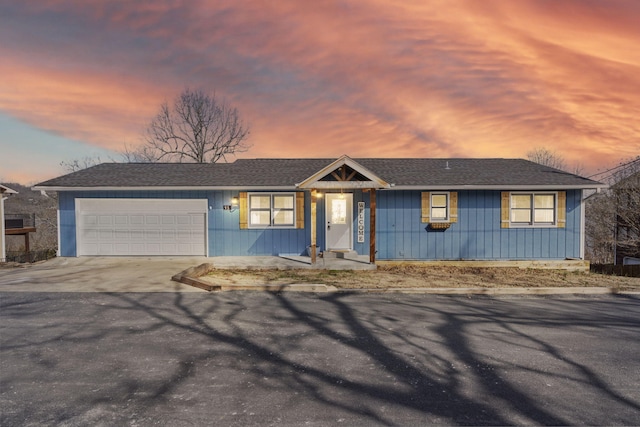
(344, 174)
(20, 225)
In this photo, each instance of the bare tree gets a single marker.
(79, 164)
(547, 157)
(600, 229)
(613, 216)
(625, 197)
(544, 156)
(198, 127)
(140, 154)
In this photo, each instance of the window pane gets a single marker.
(544, 215)
(544, 201)
(283, 202)
(521, 215)
(260, 218)
(338, 211)
(522, 201)
(439, 200)
(283, 217)
(439, 213)
(260, 202)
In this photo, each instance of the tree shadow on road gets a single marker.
(339, 357)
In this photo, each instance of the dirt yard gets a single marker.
(432, 277)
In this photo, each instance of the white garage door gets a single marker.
(141, 226)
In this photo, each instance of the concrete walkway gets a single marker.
(291, 262)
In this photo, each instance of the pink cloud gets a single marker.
(415, 78)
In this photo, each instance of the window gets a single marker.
(533, 209)
(439, 207)
(277, 210)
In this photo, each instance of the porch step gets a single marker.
(352, 255)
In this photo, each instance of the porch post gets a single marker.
(313, 225)
(372, 226)
(26, 247)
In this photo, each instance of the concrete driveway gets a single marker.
(100, 274)
(139, 274)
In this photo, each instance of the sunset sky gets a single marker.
(366, 78)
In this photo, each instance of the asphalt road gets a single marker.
(238, 359)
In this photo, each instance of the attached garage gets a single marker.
(123, 227)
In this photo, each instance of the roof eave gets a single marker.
(546, 187)
(347, 185)
(169, 188)
(6, 190)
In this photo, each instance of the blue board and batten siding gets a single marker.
(227, 239)
(400, 234)
(223, 229)
(476, 236)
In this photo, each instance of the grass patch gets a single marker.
(405, 276)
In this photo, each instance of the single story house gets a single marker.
(386, 208)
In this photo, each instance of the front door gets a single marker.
(339, 213)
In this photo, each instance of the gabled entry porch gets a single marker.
(342, 221)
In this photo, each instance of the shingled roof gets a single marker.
(286, 173)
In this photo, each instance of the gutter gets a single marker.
(165, 188)
(293, 187)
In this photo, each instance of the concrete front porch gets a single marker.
(289, 262)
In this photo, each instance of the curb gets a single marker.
(293, 287)
(496, 291)
(191, 275)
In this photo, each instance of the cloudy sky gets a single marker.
(366, 78)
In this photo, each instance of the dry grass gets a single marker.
(407, 276)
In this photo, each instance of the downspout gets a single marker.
(3, 254)
(583, 217)
(58, 224)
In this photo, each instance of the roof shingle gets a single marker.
(408, 172)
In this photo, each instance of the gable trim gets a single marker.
(314, 181)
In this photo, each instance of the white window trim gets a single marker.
(533, 224)
(447, 207)
(271, 209)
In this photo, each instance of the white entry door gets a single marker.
(339, 214)
(121, 227)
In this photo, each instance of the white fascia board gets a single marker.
(314, 180)
(7, 190)
(208, 188)
(344, 185)
(498, 187)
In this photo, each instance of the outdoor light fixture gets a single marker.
(233, 206)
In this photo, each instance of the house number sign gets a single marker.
(360, 222)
